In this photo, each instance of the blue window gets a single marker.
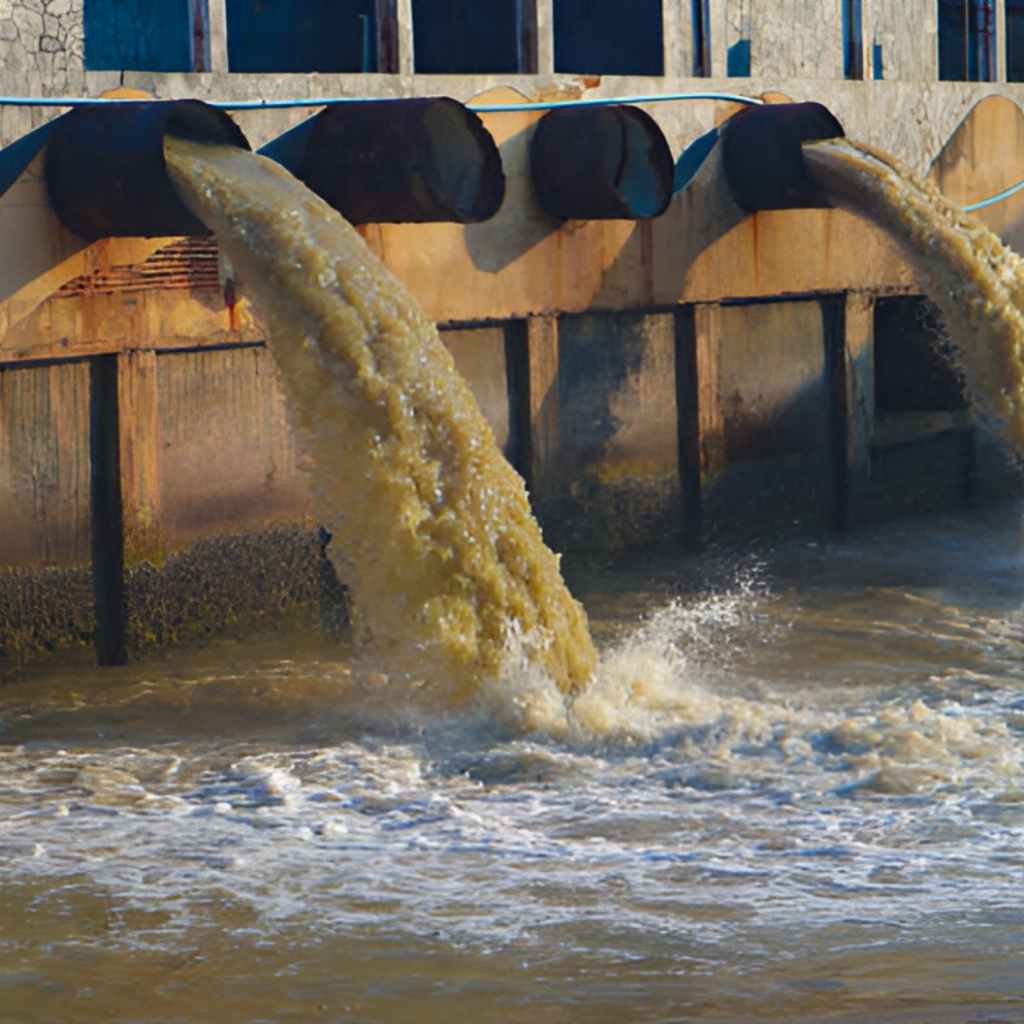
(465, 37)
(138, 35)
(967, 33)
(700, 15)
(302, 35)
(608, 37)
(853, 40)
(1015, 40)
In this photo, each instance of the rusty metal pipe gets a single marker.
(105, 169)
(601, 163)
(397, 161)
(762, 155)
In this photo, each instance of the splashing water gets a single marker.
(431, 527)
(975, 280)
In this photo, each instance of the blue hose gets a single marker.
(84, 101)
(997, 198)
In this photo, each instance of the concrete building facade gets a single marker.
(659, 381)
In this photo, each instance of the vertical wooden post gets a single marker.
(542, 344)
(140, 458)
(404, 37)
(688, 427)
(545, 21)
(708, 328)
(107, 537)
(860, 380)
(217, 20)
(677, 38)
(999, 41)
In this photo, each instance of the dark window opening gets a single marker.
(139, 35)
(700, 18)
(466, 37)
(967, 35)
(295, 36)
(914, 369)
(1015, 40)
(608, 37)
(853, 40)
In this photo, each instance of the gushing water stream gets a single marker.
(431, 527)
(975, 280)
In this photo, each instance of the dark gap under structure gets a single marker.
(519, 450)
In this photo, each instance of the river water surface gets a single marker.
(795, 792)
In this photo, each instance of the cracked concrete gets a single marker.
(41, 46)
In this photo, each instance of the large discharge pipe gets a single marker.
(762, 155)
(105, 170)
(397, 161)
(600, 163)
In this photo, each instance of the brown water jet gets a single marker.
(432, 529)
(975, 280)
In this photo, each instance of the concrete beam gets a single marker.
(218, 39)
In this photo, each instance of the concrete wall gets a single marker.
(789, 38)
(41, 41)
(44, 464)
(904, 34)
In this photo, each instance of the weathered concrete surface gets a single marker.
(479, 355)
(789, 38)
(44, 465)
(228, 457)
(906, 32)
(607, 477)
(41, 41)
(34, 239)
(765, 414)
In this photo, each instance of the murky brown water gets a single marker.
(811, 806)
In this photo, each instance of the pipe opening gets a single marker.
(397, 161)
(105, 170)
(601, 163)
(763, 158)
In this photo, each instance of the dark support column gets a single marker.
(519, 450)
(833, 321)
(526, 16)
(107, 514)
(387, 37)
(688, 425)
